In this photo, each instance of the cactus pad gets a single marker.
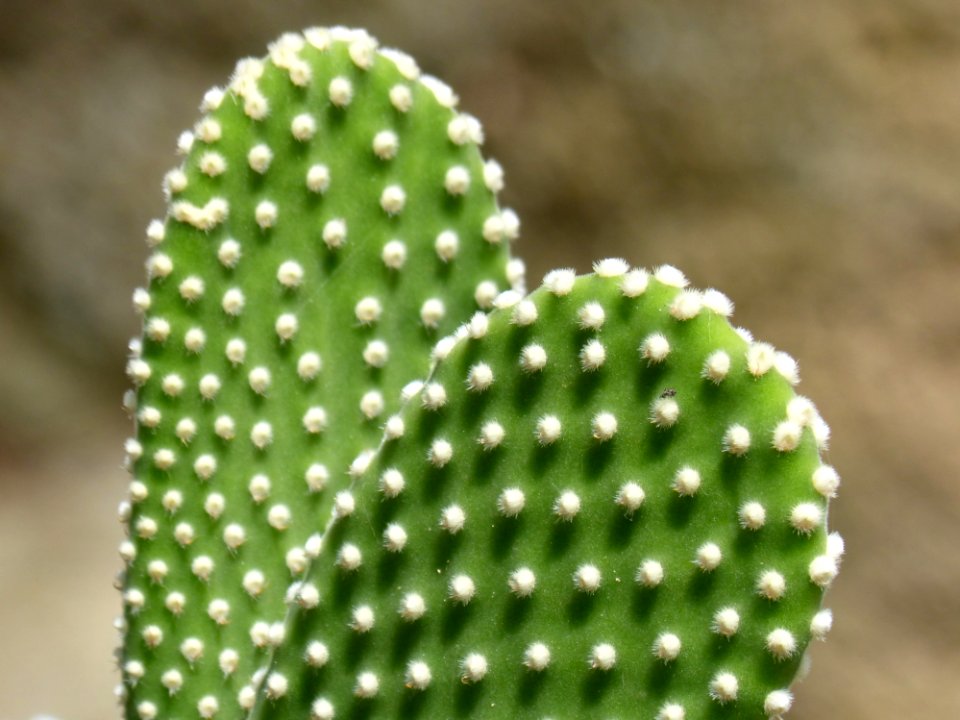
(331, 220)
(605, 502)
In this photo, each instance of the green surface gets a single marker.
(189, 326)
(331, 232)
(669, 527)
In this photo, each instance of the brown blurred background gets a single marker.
(802, 156)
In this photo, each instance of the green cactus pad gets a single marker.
(606, 502)
(331, 220)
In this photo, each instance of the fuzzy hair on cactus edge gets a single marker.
(371, 477)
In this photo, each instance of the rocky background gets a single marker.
(804, 157)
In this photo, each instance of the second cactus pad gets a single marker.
(606, 502)
(332, 218)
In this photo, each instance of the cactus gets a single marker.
(357, 493)
(310, 258)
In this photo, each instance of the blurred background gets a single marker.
(804, 157)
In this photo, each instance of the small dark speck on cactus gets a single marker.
(371, 477)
